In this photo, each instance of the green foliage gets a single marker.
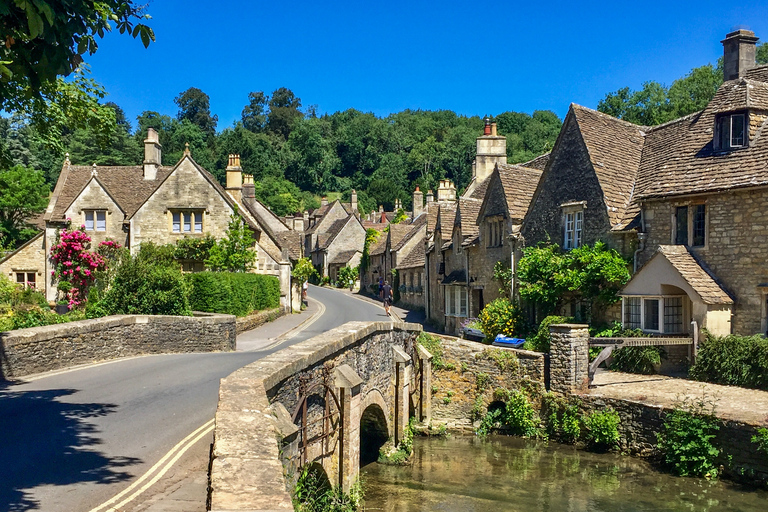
(643, 360)
(761, 440)
(592, 275)
(502, 274)
(194, 106)
(733, 360)
(23, 194)
(505, 360)
(602, 429)
(371, 236)
(304, 270)
(194, 248)
(234, 252)
(399, 455)
(233, 293)
(434, 346)
(686, 439)
(500, 317)
(149, 283)
(347, 277)
(313, 493)
(541, 341)
(562, 418)
(517, 417)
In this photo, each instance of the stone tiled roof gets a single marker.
(466, 219)
(344, 256)
(758, 73)
(540, 162)
(519, 184)
(479, 192)
(740, 94)
(125, 184)
(414, 229)
(447, 218)
(700, 280)
(380, 246)
(324, 239)
(432, 210)
(680, 157)
(615, 148)
(416, 257)
(290, 241)
(457, 276)
(398, 232)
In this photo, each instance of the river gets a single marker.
(469, 474)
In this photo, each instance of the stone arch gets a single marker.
(375, 396)
(374, 427)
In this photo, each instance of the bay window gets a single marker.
(654, 314)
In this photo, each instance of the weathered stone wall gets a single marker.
(735, 251)
(254, 434)
(569, 357)
(94, 197)
(29, 258)
(472, 371)
(254, 320)
(412, 288)
(640, 422)
(41, 349)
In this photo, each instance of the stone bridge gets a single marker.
(330, 402)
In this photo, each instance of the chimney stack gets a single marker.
(491, 150)
(738, 53)
(249, 189)
(152, 154)
(381, 208)
(430, 197)
(323, 201)
(418, 202)
(298, 222)
(487, 128)
(235, 178)
(446, 192)
(353, 203)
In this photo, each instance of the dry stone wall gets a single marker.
(40, 349)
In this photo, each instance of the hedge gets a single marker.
(233, 293)
(733, 360)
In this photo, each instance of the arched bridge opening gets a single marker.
(373, 433)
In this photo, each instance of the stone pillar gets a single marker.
(285, 284)
(569, 358)
(425, 385)
(402, 391)
(349, 383)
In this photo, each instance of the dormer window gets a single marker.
(573, 224)
(731, 131)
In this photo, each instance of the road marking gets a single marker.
(162, 466)
(289, 335)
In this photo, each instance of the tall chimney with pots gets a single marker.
(491, 150)
(298, 222)
(446, 192)
(235, 177)
(152, 154)
(430, 197)
(739, 49)
(418, 202)
(353, 203)
(249, 189)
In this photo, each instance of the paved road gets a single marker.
(72, 441)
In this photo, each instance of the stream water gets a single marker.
(467, 474)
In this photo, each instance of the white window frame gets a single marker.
(95, 220)
(721, 123)
(574, 229)
(660, 299)
(456, 301)
(187, 222)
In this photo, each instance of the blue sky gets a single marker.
(470, 57)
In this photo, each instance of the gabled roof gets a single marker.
(22, 246)
(446, 217)
(479, 192)
(689, 269)
(540, 162)
(615, 148)
(519, 184)
(415, 258)
(380, 246)
(397, 232)
(466, 219)
(344, 256)
(414, 228)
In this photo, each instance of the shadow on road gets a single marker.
(50, 442)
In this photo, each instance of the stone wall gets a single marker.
(30, 257)
(735, 251)
(465, 385)
(255, 438)
(52, 347)
(256, 319)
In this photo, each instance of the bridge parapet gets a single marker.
(303, 405)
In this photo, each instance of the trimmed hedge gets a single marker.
(733, 360)
(233, 293)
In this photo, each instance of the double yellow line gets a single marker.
(156, 472)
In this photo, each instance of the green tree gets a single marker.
(234, 252)
(23, 193)
(284, 112)
(195, 107)
(254, 114)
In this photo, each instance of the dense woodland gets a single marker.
(294, 154)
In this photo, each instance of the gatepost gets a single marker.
(569, 358)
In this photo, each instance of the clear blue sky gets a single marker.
(470, 57)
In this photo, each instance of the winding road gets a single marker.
(73, 440)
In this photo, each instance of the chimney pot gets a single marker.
(487, 128)
(493, 129)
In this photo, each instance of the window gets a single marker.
(495, 233)
(651, 315)
(455, 301)
(731, 131)
(655, 314)
(690, 225)
(673, 314)
(187, 221)
(26, 279)
(632, 316)
(574, 221)
(95, 220)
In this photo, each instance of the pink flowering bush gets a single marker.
(76, 266)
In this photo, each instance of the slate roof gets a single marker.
(466, 218)
(519, 184)
(479, 192)
(757, 73)
(540, 162)
(416, 257)
(325, 239)
(615, 148)
(447, 218)
(398, 232)
(380, 246)
(700, 279)
(414, 228)
(457, 276)
(291, 241)
(344, 256)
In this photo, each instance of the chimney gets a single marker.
(152, 154)
(418, 202)
(446, 192)
(398, 205)
(487, 128)
(298, 222)
(491, 150)
(381, 208)
(249, 190)
(306, 215)
(738, 53)
(353, 202)
(235, 178)
(324, 201)
(430, 197)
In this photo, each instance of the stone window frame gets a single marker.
(662, 305)
(95, 213)
(194, 215)
(494, 231)
(573, 215)
(25, 273)
(690, 235)
(718, 130)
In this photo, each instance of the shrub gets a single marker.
(314, 493)
(347, 277)
(434, 347)
(686, 439)
(733, 360)
(643, 360)
(761, 440)
(75, 266)
(23, 317)
(541, 341)
(233, 293)
(562, 418)
(517, 416)
(500, 317)
(602, 429)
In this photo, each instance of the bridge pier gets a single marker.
(349, 383)
(402, 391)
(424, 384)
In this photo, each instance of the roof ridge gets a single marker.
(608, 116)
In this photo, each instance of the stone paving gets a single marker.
(732, 403)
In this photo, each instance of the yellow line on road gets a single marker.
(285, 337)
(162, 466)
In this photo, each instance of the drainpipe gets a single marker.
(427, 288)
(641, 237)
(466, 273)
